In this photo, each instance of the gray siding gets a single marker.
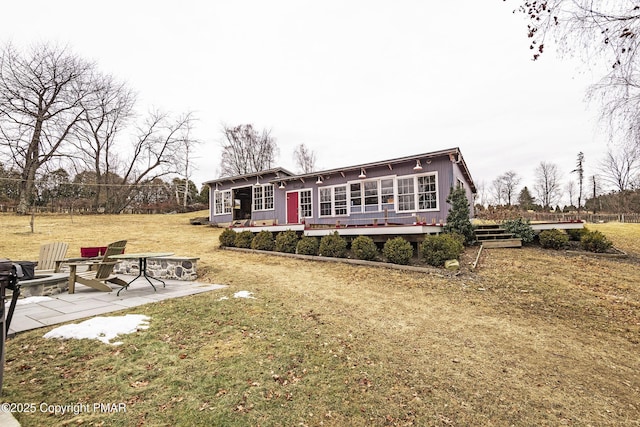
(446, 172)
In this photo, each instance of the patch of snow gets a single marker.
(243, 294)
(223, 298)
(101, 328)
(29, 300)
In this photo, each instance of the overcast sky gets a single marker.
(356, 81)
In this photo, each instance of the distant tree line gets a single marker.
(60, 192)
(612, 187)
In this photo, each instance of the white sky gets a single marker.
(356, 81)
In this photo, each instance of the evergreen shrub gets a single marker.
(363, 247)
(286, 241)
(437, 249)
(595, 241)
(398, 251)
(243, 239)
(333, 245)
(307, 246)
(520, 228)
(575, 235)
(458, 218)
(263, 241)
(553, 239)
(227, 238)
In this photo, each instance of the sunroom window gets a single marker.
(333, 201)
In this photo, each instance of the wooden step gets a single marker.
(502, 243)
(482, 237)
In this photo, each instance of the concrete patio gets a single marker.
(32, 313)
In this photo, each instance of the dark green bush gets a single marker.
(435, 250)
(307, 246)
(520, 228)
(286, 241)
(575, 235)
(595, 241)
(243, 239)
(398, 251)
(458, 217)
(333, 245)
(263, 241)
(227, 238)
(553, 239)
(363, 247)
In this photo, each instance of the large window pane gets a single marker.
(305, 204)
(406, 194)
(340, 200)
(427, 192)
(371, 193)
(325, 202)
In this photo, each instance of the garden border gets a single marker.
(429, 270)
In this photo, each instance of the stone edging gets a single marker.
(621, 254)
(428, 270)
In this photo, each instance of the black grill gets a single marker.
(10, 275)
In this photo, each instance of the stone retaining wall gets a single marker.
(178, 268)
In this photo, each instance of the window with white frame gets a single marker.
(386, 191)
(326, 207)
(355, 194)
(371, 199)
(418, 193)
(222, 202)
(263, 197)
(427, 192)
(340, 200)
(406, 194)
(305, 204)
(333, 200)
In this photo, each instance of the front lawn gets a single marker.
(531, 337)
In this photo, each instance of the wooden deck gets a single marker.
(491, 236)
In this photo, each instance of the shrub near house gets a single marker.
(333, 245)
(553, 239)
(363, 247)
(398, 251)
(435, 250)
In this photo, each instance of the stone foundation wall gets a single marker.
(46, 290)
(178, 268)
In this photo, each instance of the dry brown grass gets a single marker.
(531, 337)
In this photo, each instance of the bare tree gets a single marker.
(497, 191)
(153, 152)
(571, 191)
(183, 160)
(504, 187)
(547, 184)
(482, 196)
(604, 31)
(107, 112)
(245, 150)
(305, 159)
(41, 103)
(620, 168)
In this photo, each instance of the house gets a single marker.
(400, 196)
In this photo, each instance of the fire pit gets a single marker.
(45, 285)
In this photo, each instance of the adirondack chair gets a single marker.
(100, 272)
(49, 254)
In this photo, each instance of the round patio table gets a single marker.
(142, 258)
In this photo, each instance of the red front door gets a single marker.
(293, 216)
